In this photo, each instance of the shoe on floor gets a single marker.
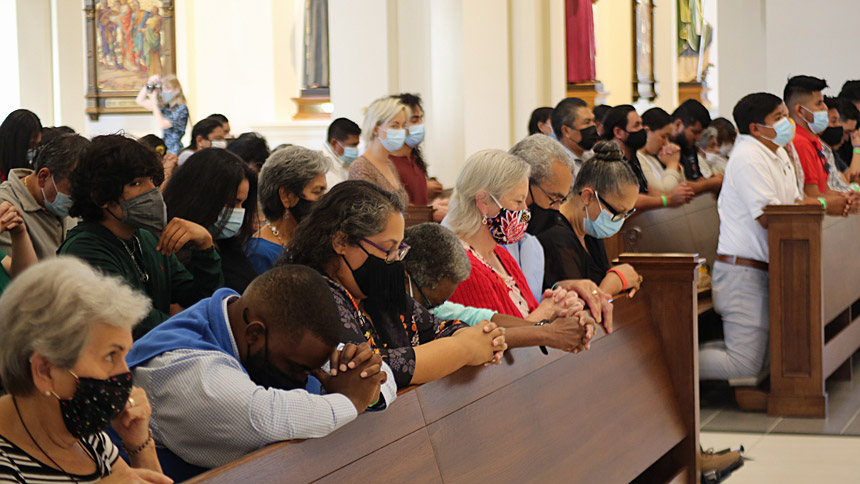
(716, 466)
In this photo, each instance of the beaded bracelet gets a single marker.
(140, 448)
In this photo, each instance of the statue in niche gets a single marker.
(694, 40)
(580, 45)
(316, 73)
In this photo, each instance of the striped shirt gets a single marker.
(18, 466)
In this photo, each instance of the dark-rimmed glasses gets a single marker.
(617, 215)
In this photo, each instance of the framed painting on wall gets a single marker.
(127, 42)
(643, 51)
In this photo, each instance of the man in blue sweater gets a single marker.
(228, 375)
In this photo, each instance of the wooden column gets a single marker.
(796, 311)
(677, 326)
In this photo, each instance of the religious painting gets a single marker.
(128, 41)
(643, 50)
(694, 40)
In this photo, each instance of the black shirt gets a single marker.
(566, 258)
(640, 175)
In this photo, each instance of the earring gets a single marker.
(47, 393)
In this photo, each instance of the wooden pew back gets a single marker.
(690, 229)
(814, 305)
(626, 408)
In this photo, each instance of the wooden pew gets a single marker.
(627, 410)
(814, 305)
(689, 229)
(416, 214)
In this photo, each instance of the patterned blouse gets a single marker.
(391, 336)
(178, 116)
(363, 169)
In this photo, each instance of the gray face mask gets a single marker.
(145, 211)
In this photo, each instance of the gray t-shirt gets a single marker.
(46, 230)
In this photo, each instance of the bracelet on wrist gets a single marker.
(855, 187)
(857, 150)
(665, 200)
(138, 449)
(620, 276)
(823, 202)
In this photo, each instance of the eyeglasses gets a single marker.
(391, 256)
(617, 215)
(552, 200)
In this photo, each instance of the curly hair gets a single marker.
(106, 166)
(355, 207)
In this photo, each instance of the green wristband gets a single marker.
(823, 202)
(855, 187)
(857, 151)
(665, 200)
(376, 402)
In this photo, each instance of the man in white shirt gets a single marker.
(341, 148)
(759, 173)
(573, 125)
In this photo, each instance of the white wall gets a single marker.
(10, 86)
(763, 43)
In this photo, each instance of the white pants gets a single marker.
(741, 297)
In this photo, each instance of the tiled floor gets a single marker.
(791, 459)
(719, 413)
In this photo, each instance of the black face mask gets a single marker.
(832, 135)
(95, 404)
(300, 210)
(383, 284)
(263, 372)
(589, 137)
(542, 218)
(636, 139)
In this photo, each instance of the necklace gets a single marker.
(276, 233)
(144, 276)
(18, 411)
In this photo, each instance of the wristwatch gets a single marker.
(542, 322)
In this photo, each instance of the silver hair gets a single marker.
(51, 307)
(435, 255)
(494, 171)
(708, 134)
(291, 168)
(540, 152)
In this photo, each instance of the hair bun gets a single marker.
(608, 151)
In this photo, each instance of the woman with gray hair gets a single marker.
(488, 210)
(354, 238)
(66, 330)
(291, 181)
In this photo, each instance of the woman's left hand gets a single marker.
(132, 424)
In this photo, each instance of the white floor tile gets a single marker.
(792, 459)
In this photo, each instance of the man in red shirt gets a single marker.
(806, 107)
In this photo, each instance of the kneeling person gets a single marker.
(227, 376)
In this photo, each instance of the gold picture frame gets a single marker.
(127, 42)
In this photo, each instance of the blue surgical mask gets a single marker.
(603, 227)
(784, 132)
(168, 96)
(820, 120)
(231, 221)
(394, 139)
(350, 153)
(61, 205)
(416, 135)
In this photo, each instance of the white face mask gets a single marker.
(219, 143)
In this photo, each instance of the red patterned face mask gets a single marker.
(509, 226)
